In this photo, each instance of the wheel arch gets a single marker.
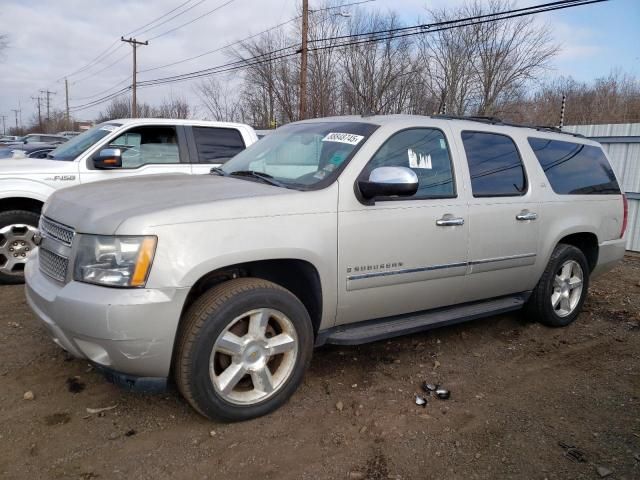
(298, 276)
(587, 242)
(21, 203)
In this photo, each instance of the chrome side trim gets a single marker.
(502, 259)
(406, 270)
(429, 268)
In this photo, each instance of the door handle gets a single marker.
(449, 221)
(526, 215)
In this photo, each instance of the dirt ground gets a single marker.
(525, 400)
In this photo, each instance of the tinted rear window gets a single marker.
(494, 165)
(575, 169)
(216, 145)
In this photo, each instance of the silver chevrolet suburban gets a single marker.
(337, 230)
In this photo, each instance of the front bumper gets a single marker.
(128, 331)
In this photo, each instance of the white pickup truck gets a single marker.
(114, 149)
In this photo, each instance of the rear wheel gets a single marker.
(558, 298)
(17, 228)
(243, 349)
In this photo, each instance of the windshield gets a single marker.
(78, 144)
(304, 156)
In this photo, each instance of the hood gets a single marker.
(34, 165)
(134, 205)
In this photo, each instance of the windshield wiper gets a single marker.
(263, 177)
(219, 171)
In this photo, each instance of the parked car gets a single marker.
(69, 134)
(27, 151)
(8, 138)
(37, 138)
(114, 149)
(341, 230)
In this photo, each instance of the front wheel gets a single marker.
(243, 349)
(557, 299)
(17, 228)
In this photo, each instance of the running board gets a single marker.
(379, 329)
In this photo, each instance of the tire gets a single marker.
(16, 226)
(203, 357)
(555, 301)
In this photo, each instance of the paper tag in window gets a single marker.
(419, 160)
(109, 128)
(349, 138)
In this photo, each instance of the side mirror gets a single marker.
(389, 181)
(108, 158)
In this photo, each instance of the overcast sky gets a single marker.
(51, 39)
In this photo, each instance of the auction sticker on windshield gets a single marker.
(349, 138)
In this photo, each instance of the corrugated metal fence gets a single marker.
(622, 144)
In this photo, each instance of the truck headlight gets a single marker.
(114, 261)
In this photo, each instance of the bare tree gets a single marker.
(173, 107)
(270, 79)
(324, 65)
(219, 100)
(119, 107)
(4, 43)
(507, 55)
(373, 72)
(447, 72)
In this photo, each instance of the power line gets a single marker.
(91, 63)
(118, 60)
(228, 45)
(171, 18)
(426, 28)
(194, 20)
(77, 108)
(376, 37)
(125, 80)
(389, 34)
(159, 18)
(107, 51)
(223, 47)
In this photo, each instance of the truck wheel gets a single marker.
(557, 299)
(243, 349)
(17, 228)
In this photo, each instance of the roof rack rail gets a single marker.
(553, 128)
(498, 121)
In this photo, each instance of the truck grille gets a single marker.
(53, 265)
(56, 230)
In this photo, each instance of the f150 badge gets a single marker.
(61, 178)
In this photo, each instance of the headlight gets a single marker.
(114, 261)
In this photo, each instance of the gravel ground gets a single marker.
(526, 402)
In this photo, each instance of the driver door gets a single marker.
(395, 255)
(145, 150)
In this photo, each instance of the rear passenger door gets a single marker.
(213, 146)
(503, 211)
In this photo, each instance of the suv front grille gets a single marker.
(56, 230)
(53, 265)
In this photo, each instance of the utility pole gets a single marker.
(562, 108)
(134, 43)
(37, 99)
(66, 101)
(303, 59)
(4, 126)
(16, 111)
(48, 93)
